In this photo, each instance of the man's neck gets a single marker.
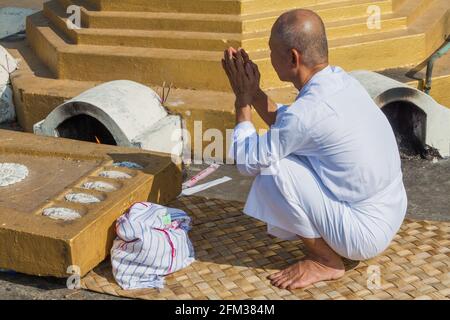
(308, 73)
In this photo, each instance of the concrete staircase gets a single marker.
(181, 42)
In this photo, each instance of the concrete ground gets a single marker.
(32, 4)
(427, 184)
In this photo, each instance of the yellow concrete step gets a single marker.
(219, 22)
(213, 41)
(36, 95)
(405, 14)
(397, 48)
(202, 69)
(218, 41)
(203, 6)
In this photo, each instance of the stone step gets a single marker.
(218, 41)
(211, 41)
(153, 66)
(203, 6)
(423, 36)
(218, 22)
(37, 95)
(213, 109)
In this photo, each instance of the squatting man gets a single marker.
(328, 170)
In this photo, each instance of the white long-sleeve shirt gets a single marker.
(338, 127)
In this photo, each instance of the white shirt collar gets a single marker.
(314, 79)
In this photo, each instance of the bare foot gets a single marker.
(305, 273)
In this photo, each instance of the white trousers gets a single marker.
(294, 202)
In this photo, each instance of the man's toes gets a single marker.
(276, 280)
(283, 282)
(273, 276)
(279, 281)
(286, 283)
(276, 275)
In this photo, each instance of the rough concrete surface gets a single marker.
(32, 4)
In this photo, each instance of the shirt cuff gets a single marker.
(243, 130)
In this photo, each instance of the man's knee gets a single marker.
(362, 249)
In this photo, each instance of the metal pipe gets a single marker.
(443, 50)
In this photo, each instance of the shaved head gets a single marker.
(304, 31)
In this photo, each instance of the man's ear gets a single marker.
(295, 57)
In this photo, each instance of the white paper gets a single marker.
(7, 66)
(204, 186)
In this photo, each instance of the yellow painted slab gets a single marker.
(36, 244)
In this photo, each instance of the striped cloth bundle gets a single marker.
(152, 241)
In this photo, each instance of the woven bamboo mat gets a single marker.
(235, 255)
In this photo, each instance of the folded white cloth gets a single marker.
(151, 242)
(7, 66)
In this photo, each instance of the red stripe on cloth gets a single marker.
(171, 246)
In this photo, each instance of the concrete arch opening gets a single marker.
(409, 124)
(120, 112)
(420, 124)
(85, 128)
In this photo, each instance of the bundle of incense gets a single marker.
(200, 176)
